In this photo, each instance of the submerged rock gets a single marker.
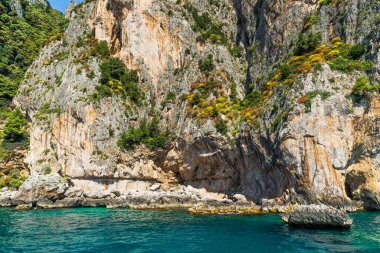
(317, 216)
(248, 209)
(24, 207)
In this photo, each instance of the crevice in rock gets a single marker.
(116, 38)
(348, 191)
(92, 178)
(242, 36)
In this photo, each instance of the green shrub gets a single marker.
(237, 51)
(12, 182)
(15, 128)
(285, 71)
(196, 99)
(207, 65)
(202, 22)
(348, 66)
(101, 49)
(221, 127)
(206, 26)
(148, 134)
(16, 183)
(253, 99)
(133, 92)
(363, 87)
(112, 69)
(103, 91)
(356, 52)
(4, 153)
(307, 42)
(91, 75)
(114, 73)
(234, 93)
(80, 42)
(8, 87)
(326, 2)
(47, 170)
(131, 138)
(170, 97)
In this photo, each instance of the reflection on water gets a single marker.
(102, 230)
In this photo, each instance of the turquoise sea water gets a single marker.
(102, 230)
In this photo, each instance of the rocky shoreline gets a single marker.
(145, 200)
(196, 201)
(52, 191)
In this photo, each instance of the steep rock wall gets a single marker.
(312, 152)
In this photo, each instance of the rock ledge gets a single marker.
(317, 216)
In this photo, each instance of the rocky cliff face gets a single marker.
(25, 27)
(241, 122)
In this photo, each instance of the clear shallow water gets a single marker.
(102, 230)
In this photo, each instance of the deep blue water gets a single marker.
(103, 230)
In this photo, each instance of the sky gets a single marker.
(61, 4)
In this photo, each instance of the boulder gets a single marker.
(155, 187)
(317, 216)
(240, 198)
(6, 198)
(41, 188)
(24, 207)
(363, 184)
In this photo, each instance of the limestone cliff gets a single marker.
(250, 108)
(25, 28)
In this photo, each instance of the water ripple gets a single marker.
(102, 230)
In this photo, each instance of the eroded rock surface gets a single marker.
(41, 189)
(326, 151)
(317, 216)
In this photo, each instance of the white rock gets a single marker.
(240, 198)
(155, 187)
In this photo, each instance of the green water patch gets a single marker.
(122, 230)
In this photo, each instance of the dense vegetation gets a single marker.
(307, 42)
(208, 29)
(206, 65)
(14, 130)
(148, 133)
(116, 78)
(13, 180)
(363, 86)
(209, 100)
(20, 42)
(21, 38)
